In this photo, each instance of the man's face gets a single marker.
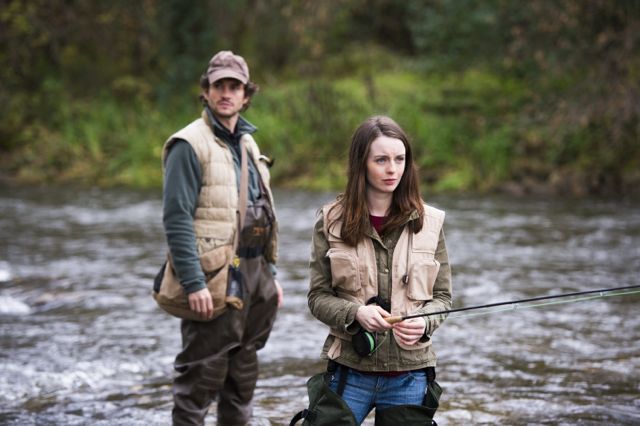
(226, 97)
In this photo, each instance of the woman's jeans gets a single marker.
(362, 392)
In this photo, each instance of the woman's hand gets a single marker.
(409, 331)
(372, 318)
(201, 303)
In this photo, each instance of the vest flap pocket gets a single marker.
(214, 260)
(215, 265)
(422, 278)
(344, 270)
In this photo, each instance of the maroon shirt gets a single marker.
(377, 222)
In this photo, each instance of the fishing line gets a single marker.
(526, 303)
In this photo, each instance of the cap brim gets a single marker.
(218, 75)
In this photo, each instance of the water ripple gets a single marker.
(82, 342)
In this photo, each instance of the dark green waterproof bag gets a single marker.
(413, 414)
(325, 406)
(432, 397)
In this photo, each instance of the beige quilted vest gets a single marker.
(215, 217)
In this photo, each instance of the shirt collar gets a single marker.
(414, 215)
(242, 126)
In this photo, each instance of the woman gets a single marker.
(379, 251)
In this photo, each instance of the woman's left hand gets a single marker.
(409, 331)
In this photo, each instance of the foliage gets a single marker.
(538, 96)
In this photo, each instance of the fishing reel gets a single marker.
(365, 342)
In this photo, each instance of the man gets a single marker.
(202, 171)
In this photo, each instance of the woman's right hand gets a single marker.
(372, 318)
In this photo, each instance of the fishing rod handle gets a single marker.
(394, 319)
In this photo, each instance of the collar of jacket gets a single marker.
(243, 127)
(412, 216)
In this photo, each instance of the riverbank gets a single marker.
(471, 133)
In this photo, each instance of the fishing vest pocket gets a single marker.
(422, 278)
(257, 228)
(170, 294)
(207, 244)
(215, 267)
(345, 275)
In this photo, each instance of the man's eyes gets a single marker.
(233, 87)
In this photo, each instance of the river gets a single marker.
(82, 341)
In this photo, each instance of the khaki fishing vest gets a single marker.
(414, 267)
(215, 219)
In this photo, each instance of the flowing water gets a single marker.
(82, 341)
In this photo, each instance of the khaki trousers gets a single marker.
(219, 359)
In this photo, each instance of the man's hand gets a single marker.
(409, 331)
(372, 318)
(280, 293)
(201, 303)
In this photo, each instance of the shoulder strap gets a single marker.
(243, 194)
(304, 414)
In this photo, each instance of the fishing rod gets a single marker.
(600, 292)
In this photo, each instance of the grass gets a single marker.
(467, 129)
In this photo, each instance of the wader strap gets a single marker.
(243, 193)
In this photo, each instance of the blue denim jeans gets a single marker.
(362, 392)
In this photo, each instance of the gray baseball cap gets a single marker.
(225, 64)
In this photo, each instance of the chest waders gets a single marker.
(255, 228)
(327, 407)
(219, 359)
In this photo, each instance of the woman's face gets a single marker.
(385, 164)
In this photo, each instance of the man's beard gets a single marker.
(222, 114)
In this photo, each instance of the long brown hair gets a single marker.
(406, 197)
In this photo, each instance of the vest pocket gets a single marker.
(207, 244)
(172, 298)
(215, 267)
(213, 260)
(422, 278)
(344, 271)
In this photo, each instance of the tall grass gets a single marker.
(466, 130)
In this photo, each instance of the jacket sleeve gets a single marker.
(442, 289)
(323, 302)
(180, 198)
